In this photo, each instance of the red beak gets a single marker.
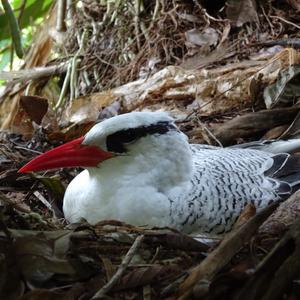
(71, 154)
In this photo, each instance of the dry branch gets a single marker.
(61, 15)
(117, 276)
(277, 271)
(254, 123)
(229, 246)
(35, 73)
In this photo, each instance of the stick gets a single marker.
(61, 15)
(229, 246)
(116, 277)
(253, 123)
(275, 274)
(34, 73)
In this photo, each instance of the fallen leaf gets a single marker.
(37, 259)
(275, 132)
(35, 107)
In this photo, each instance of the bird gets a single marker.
(139, 168)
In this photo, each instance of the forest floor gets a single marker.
(227, 77)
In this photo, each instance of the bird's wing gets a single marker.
(225, 180)
(200, 147)
(272, 146)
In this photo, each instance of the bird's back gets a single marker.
(223, 182)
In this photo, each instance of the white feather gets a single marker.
(164, 181)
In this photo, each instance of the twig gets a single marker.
(70, 10)
(136, 21)
(35, 73)
(18, 206)
(73, 78)
(61, 16)
(276, 272)
(285, 21)
(21, 9)
(268, 20)
(74, 67)
(64, 87)
(229, 246)
(208, 133)
(29, 150)
(116, 277)
(155, 12)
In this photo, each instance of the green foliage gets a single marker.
(5, 59)
(14, 28)
(31, 14)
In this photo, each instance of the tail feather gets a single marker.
(286, 168)
(293, 180)
(273, 146)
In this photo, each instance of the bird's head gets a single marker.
(118, 136)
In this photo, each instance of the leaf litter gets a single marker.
(227, 76)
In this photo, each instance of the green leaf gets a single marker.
(16, 4)
(4, 43)
(4, 59)
(14, 28)
(53, 184)
(34, 9)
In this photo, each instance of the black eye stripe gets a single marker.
(116, 141)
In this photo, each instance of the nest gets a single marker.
(120, 42)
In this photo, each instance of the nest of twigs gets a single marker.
(122, 41)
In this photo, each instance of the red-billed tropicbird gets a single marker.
(140, 168)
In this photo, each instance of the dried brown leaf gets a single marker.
(12, 116)
(37, 259)
(35, 107)
(275, 132)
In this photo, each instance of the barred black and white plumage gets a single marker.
(224, 181)
(151, 175)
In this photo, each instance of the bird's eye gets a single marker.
(128, 136)
(115, 142)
